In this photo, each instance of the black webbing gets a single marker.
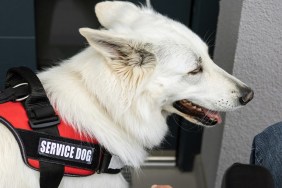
(17, 92)
(104, 167)
(42, 118)
(51, 174)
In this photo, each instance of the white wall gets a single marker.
(258, 62)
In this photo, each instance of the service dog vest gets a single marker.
(80, 155)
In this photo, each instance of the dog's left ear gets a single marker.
(118, 48)
(110, 13)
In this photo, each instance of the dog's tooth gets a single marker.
(212, 119)
(194, 107)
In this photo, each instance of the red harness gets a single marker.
(47, 144)
(15, 114)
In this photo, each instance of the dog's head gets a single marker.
(166, 61)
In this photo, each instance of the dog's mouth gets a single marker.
(198, 113)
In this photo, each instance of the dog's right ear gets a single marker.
(129, 58)
(117, 47)
(110, 13)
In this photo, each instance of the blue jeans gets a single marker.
(267, 152)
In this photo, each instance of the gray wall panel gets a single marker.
(16, 52)
(17, 35)
(16, 18)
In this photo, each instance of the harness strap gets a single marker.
(16, 93)
(111, 164)
(42, 118)
(51, 174)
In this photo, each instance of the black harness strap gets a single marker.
(42, 117)
(17, 92)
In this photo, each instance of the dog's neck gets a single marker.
(89, 97)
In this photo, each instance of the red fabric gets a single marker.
(68, 170)
(16, 115)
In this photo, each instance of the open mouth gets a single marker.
(198, 113)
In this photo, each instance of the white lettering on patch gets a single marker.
(66, 151)
(42, 148)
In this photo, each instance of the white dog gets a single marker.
(142, 67)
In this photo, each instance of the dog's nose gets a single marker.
(247, 95)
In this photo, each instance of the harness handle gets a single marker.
(39, 110)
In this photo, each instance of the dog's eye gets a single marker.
(197, 70)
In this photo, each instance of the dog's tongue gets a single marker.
(213, 115)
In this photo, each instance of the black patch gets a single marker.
(66, 151)
(29, 141)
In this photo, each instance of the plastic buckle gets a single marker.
(44, 123)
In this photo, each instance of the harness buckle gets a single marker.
(44, 123)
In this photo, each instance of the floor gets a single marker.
(163, 175)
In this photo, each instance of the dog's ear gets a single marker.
(118, 48)
(104, 42)
(116, 12)
(131, 60)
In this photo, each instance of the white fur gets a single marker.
(121, 88)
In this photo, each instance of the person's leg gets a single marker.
(267, 151)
